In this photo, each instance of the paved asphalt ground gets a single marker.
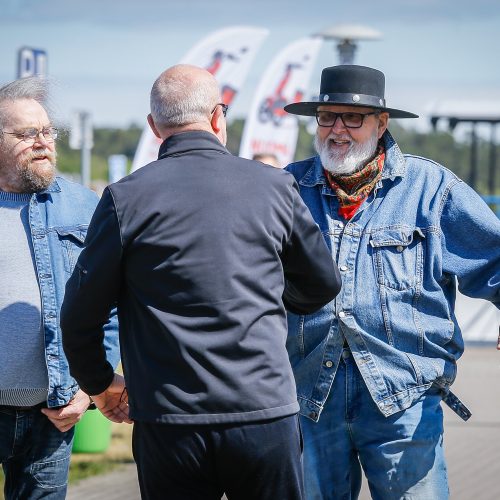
(472, 448)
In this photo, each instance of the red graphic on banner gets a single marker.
(272, 107)
(228, 92)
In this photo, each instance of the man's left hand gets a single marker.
(66, 417)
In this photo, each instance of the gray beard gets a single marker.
(33, 180)
(356, 157)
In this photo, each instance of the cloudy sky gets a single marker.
(104, 55)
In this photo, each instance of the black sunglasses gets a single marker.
(350, 120)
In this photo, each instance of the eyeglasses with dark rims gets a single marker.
(350, 120)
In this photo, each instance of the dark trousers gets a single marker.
(252, 461)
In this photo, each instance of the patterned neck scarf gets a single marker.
(353, 189)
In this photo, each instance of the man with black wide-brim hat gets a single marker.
(373, 366)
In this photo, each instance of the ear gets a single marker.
(153, 126)
(216, 120)
(383, 122)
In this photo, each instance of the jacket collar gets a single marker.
(185, 142)
(53, 188)
(394, 164)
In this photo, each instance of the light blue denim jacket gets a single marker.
(58, 220)
(419, 232)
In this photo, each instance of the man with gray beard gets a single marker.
(376, 363)
(43, 222)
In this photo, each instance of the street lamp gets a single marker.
(347, 35)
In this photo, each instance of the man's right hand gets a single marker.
(113, 402)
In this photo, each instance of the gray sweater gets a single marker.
(23, 372)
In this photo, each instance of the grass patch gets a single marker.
(84, 469)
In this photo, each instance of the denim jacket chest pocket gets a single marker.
(398, 254)
(72, 240)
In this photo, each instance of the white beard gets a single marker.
(356, 157)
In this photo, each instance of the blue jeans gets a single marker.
(401, 455)
(34, 454)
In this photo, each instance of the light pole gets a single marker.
(347, 36)
(81, 138)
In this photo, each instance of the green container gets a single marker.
(92, 433)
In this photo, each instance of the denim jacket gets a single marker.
(421, 232)
(58, 220)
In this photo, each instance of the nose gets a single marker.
(40, 139)
(338, 125)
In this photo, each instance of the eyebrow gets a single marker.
(33, 128)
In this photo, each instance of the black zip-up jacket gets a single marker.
(201, 251)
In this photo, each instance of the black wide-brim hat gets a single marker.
(349, 85)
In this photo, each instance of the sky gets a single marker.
(103, 56)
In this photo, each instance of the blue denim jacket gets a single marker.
(420, 232)
(58, 220)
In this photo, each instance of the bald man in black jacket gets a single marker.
(201, 252)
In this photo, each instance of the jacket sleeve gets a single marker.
(470, 242)
(312, 278)
(91, 294)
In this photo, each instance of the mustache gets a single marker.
(337, 137)
(41, 153)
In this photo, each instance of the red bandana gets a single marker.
(353, 189)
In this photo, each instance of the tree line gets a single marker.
(439, 146)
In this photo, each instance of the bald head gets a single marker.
(183, 95)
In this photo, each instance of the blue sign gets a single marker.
(117, 165)
(31, 62)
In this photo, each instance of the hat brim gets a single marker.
(309, 108)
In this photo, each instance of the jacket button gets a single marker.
(343, 268)
(328, 364)
(342, 314)
(313, 415)
(399, 248)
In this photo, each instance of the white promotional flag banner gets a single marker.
(268, 128)
(228, 55)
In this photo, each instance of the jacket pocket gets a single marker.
(72, 240)
(398, 256)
